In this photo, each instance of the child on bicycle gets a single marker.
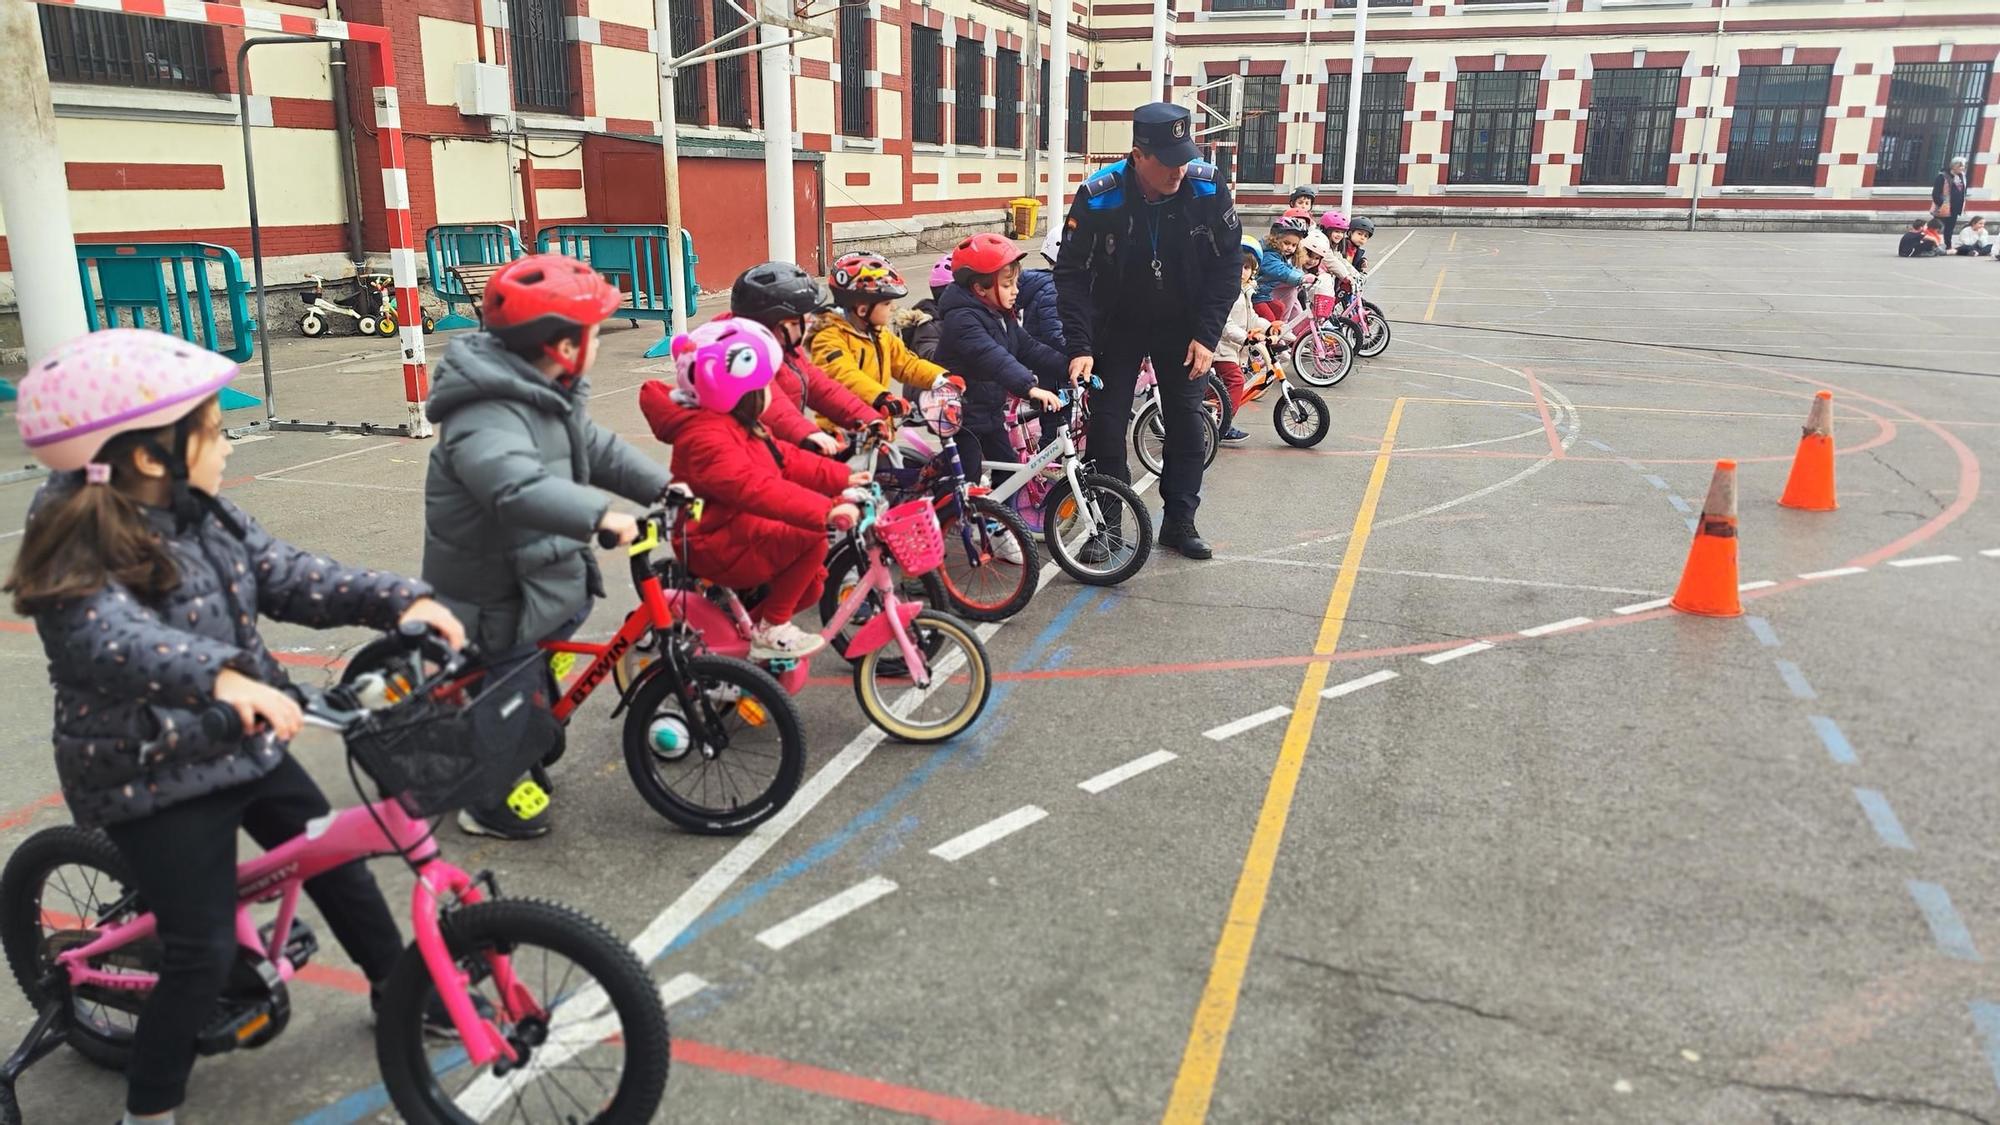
(768, 509)
(1278, 267)
(1359, 231)
(145, 588)
(985, 344)
(1243, 328)
(918, 325)
(855, 347)
(510, 499)
(787, 300)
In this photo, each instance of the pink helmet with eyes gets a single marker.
(724, 360)
(1334, 219)
(941, 274)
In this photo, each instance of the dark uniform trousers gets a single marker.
(1120, 350)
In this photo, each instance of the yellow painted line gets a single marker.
(1431, 309)
(1453, 244)
(1202, 1060)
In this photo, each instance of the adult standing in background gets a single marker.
(1149, 267)
(1948, 196)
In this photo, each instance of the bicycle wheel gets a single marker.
(1302, 418)
(1215, 400)
(844, 571)
(715, 746)
(1149, 439)
(960, 682)
(1325, 364)
(59, 888)
(1375, 340)
(596, 1053)
(1122, 540)
(994, 578)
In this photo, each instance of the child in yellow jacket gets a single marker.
(857, 348)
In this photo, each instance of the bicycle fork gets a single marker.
(50, 1031)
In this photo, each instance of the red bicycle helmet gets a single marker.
(865, 278)
(985, 253)
(537, 297)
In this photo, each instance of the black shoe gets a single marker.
(1182, 536)
(501, 823)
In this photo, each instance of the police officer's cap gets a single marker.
(1165, 132)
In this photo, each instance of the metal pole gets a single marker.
(670, 156)
(1702, 162)
(1058, 108)
(1031, 97)
(34, 189)
(1156, 79)
(343, 131)
(1355, 80)
(776, 67)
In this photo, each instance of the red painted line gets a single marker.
(17, 817)
(847, 1087)
(1542, 408)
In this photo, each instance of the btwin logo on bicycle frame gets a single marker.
(599, 668)
(282, 874)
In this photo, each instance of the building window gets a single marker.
(732, 75)
(1775, 129)
(1374, 4)
(1381, 147)
(1493, 126)
(691, 84)
(1257, 140)
(857, 101)
(1631, 131)
(111, 49)
(1007, 99)
(1043, 106)
(1933, 116)
(926, 79)
(539, 50)
(1079, 111)
(1250, 5)
(969, 122)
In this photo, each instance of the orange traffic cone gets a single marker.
(1810, 487)
(1708, 582)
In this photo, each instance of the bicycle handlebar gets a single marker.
(673, 497)
(338, 708)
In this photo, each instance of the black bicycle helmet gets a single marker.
(1291, 224)
(1299, 191)
(1362, 223)
(777, 291)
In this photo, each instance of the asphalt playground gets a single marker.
(1412, 805)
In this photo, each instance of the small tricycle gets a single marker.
(372, 307)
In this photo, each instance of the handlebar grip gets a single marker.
(221, 723)
(607, 539)
(841, 523)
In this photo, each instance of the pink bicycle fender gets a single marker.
(877, 632)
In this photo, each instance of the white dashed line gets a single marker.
(680, 988)
(825, 913)
(1356, 684)
(999, 828)
(1641, 607)
(1454, 654)
(1760, 584)
(1126, 772)
(1247, 722)
(1927, 560)
(1836, 572)
(1555, 627)
(1992, 554)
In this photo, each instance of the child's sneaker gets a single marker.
(1007, 549)
(1234, 436)
(784, 642)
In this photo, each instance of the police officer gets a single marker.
(1149, 267)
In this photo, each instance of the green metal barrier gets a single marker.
(174, 283)
(631, 256)
(465, 244)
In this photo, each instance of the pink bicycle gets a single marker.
(1323, 353)
(557, 1019)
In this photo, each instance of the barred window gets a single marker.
(1493, 126)
(1251, 5)
(539, 51)
(1007, 98)
(1631, 128)
(926, 79)
(1381, 146)
(969, 123)
(1079, 110)
(732, 75)
(691, 84)
(1046, 69)
(1933, 116)
(857, 101)
(1774, 131)
(1257, 141)
(113, 49)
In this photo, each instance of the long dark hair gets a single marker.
(97, 535)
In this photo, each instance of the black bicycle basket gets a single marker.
(461, 746)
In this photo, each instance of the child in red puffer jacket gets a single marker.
(768, 507)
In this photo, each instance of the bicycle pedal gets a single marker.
(254, 1009)
(780, 665)
(301, 943)
(528, 800)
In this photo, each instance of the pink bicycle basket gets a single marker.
(1322, 306)
(912, 534)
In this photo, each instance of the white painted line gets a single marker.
(1641, 607)
(999, 828)
(1760, 584)
(1126, 772)
(1927, 560)
(825, 913)
(1992, 554)
(1836, 572)
(1356, 684)
(681, 987)
(1454, 654)
(1247, 722)
(1555, 627)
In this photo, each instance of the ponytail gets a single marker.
(96, 535)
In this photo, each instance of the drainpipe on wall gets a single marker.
(343, 128)
(1708, 118)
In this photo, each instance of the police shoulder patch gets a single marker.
(1201, 170)
(1103, 182)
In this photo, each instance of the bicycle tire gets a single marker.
(1149, 439)
(772, 704)
(999, 522)
(929, 627)
(847, 564)
(1132, 514)
(1307, 365)
(1375, 341)
(511, 925)
(1216, 401)
(1302, 418)
(21, 927)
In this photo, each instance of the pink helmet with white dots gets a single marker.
(111, 382)
(941, 273)
(1334, 219)
(724, 360)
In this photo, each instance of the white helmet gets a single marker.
(1317, 245)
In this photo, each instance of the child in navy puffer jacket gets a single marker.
(985, 344)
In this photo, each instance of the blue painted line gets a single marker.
(1986, 1017)
(1947, 928)
(1796, 680)
(889, 842)
(1830, 736)
(1766, 636)
(1655, 480)
(1598, 445)
(1879, 814)
(375, 1099)
(1110, 602)
(1058, 658)
(1680, 505)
